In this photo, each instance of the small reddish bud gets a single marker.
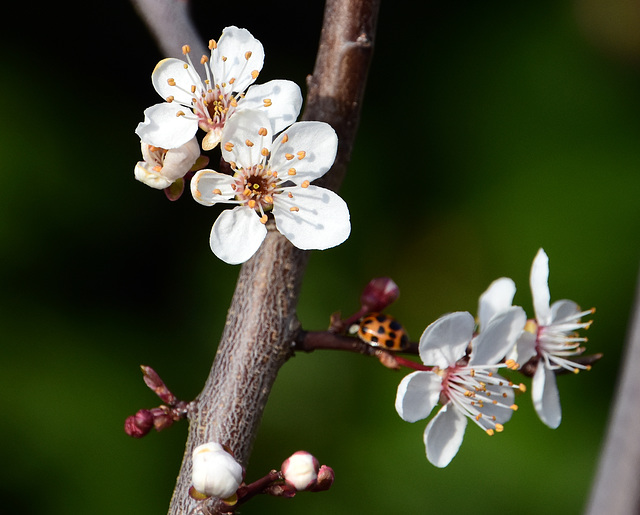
(140, 424)
(326, 476)
(379, 293)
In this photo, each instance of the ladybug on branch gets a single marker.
(384, 331)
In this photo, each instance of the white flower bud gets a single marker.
(162, 167)
(300, 470)
(215, 472)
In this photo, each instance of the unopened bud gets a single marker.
(326, 477)
(379, 293)
(140, 424)
(300, 470)
(215, 472)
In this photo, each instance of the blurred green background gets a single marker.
(489, 129)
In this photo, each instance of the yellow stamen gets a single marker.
(186, 49)
(294, 209)
(305, 184)
(301, 154)
(247, 55)
(263, 219)
(267, 102)
(262, 131)
(248, 143)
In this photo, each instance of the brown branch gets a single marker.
(616, 488)
(261, 322)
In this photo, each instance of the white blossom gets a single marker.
(215, 472)
(552, 340)
(464, 383)
(208, 102)
(273, 176)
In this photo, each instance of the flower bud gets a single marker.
(161, 167)
(379, 294)
(215, 472)
(140, 424)
(300, 470)
(326, 477)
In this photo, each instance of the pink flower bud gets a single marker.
(140, 424)
(379, 294)
(215, 472)
(300, 470)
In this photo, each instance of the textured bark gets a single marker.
(261, 323)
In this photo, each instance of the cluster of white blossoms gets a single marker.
(273, 160)
(462, 360)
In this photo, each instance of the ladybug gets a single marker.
(383, 331)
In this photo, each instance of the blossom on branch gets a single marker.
(273, 176)
(464, 382)
(192, 101)
(215, 472)
(550, 341)
(300, 470)
(160, 167)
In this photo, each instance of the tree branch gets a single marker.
(170, 23)
(616, 489)
(261, 322)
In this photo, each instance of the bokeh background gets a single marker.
(489, 129)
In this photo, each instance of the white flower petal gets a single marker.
(546, 399)
(236, 235)
(496, 298)
(418, 393)
(145, 173)
(241, 142)
(445, 341)
(281, 100)
(444, 435)
(563, 309)
(215, 472)
(525, 348)
(321, 221)
(229, 62)
(539, 281)
(205, 182)
(178, 161)
(502, 414)
(310, 150)
(498, 337)
(173, 71)
(164, 127)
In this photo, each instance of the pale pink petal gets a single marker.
(236, 235)
(539, 281)
(445, 341)
(319, 219)
(279, 99)
(497, 297)
(444, 435)
(546, 399)
(418, 393)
